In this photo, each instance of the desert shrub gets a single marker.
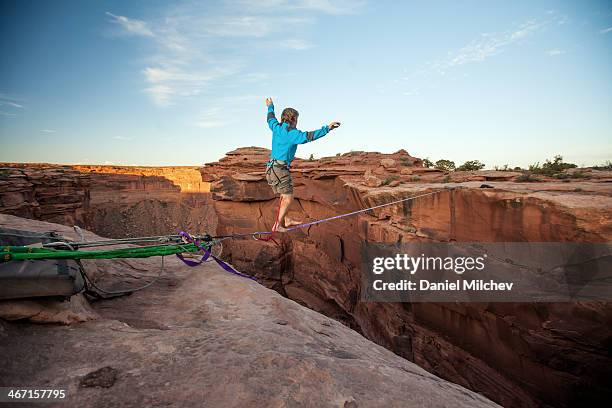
(427, 163)
(549, 168)
(388, 180)
(415, 178)
(606, 166)
(517, 168)
(535, 167)
(405, 161)
(574, 175)
(505, 167)
(471, 165)
(446, 165)
(527, 177)
(446, 179)
(311, 158)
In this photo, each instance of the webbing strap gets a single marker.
(206, 256)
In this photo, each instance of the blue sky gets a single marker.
(160, 83)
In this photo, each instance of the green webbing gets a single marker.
(20, 253)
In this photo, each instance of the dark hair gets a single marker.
(290, 116)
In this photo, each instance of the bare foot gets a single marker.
(291, 223)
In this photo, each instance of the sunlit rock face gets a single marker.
(114, 201)
(518, 354)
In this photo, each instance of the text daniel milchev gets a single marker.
(412, 264)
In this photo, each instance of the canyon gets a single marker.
(200, 337)
(517, 354)
(113, 201)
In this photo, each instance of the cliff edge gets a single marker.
(202, 337)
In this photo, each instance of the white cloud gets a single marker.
(295, 44)
(479, 50)
(336, 7)
(108, 163)
(555, 52)
(209, 124)
(11, 104)
(255, 77)
(490, 45)
(48, 130)
(131, 25)
(191, 41)
(168, 83)
(605, 30)
(333, 7)
(123, 138)
(213, 118)
(240, 26)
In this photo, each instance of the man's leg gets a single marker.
(286, 200)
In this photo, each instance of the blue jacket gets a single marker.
(285, 139)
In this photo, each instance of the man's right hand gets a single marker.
(334, 125)
(269, 102)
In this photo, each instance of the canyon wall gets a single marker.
(527, 354)
(114, 201)
(518, 354)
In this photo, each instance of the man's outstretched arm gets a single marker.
(271, 117)
(299, 137)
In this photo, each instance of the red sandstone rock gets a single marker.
(116, 201)
(506, 351)
(201, 337)
(518, 354)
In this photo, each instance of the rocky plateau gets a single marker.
(516, 354)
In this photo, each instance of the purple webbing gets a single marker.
(205, 257)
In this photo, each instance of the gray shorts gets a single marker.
(279, 178)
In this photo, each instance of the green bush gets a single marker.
(471, 165)
(405, 161)
(446, 165)
(550, 168)
(574, 175)
(606, 166)
(527, 177)
(389, 179)
(505, 167)
(311, 158)
(427, 163)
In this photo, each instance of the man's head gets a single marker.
(290, 116)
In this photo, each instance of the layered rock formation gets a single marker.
(114, 201)
(516, 354)
(200, 337)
